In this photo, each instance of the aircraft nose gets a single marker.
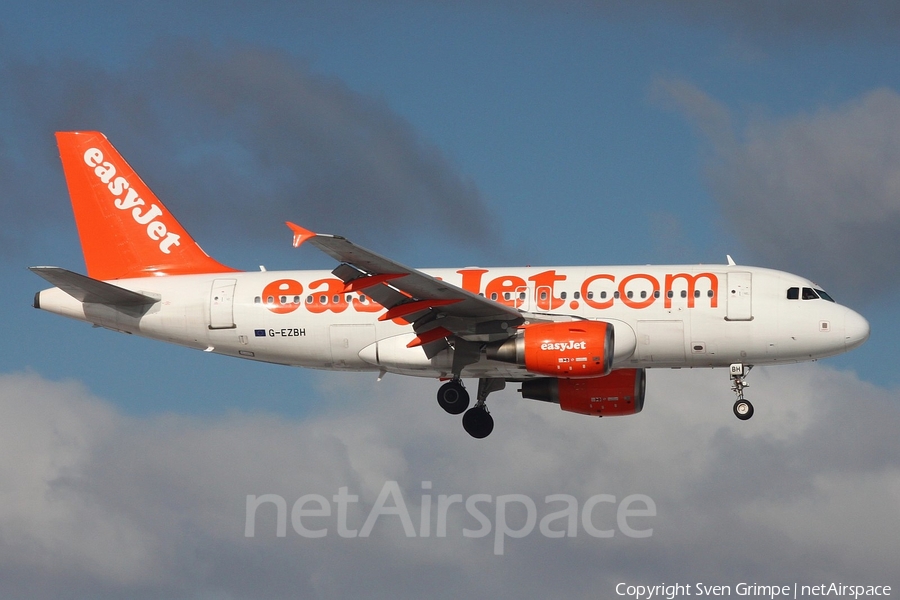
(856, 330)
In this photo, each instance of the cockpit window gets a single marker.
(795, 293)
(824, 296)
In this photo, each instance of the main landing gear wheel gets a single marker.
(478, 422)
(743, 410)
(453, 397)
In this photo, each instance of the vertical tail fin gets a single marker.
(125, 230)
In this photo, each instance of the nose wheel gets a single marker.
(743, 410)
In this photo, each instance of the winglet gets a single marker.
(300, 234)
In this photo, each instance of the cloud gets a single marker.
(95, 503)
(817, 193)
(237, 140)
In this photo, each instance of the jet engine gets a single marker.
(619, 393)
(561, 349)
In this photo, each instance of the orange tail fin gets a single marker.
(125, 230)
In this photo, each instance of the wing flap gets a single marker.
(402, 284)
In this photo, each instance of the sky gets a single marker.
(452, 134)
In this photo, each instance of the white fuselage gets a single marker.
(663, 316)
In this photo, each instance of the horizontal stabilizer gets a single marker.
(85, 289)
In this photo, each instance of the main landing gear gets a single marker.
(743, 410)
(454, 399)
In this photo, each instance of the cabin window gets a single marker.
(257, 300)
(323, 299)
(493, 295)
(590, 295)
(656, 293)
(643, 294)
(602, 295)
(684, 293)
(629, 294)
(543, 296)
(562, 295)
(696, 293)
(576, 295)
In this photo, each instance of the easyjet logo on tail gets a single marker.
(142, 215)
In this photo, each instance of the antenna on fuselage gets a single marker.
(731, 262)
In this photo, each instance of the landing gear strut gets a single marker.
(477, 421)
(453, 397)
(743, 410)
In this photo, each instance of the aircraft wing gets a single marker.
(436, 308)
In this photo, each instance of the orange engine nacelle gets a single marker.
(568, 349)
(619, 393)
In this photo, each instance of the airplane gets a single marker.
(581, 337)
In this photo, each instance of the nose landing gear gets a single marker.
(743, 410)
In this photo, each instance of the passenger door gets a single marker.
(740, 301)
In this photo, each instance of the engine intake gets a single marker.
(619, 393)
(568, 349)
